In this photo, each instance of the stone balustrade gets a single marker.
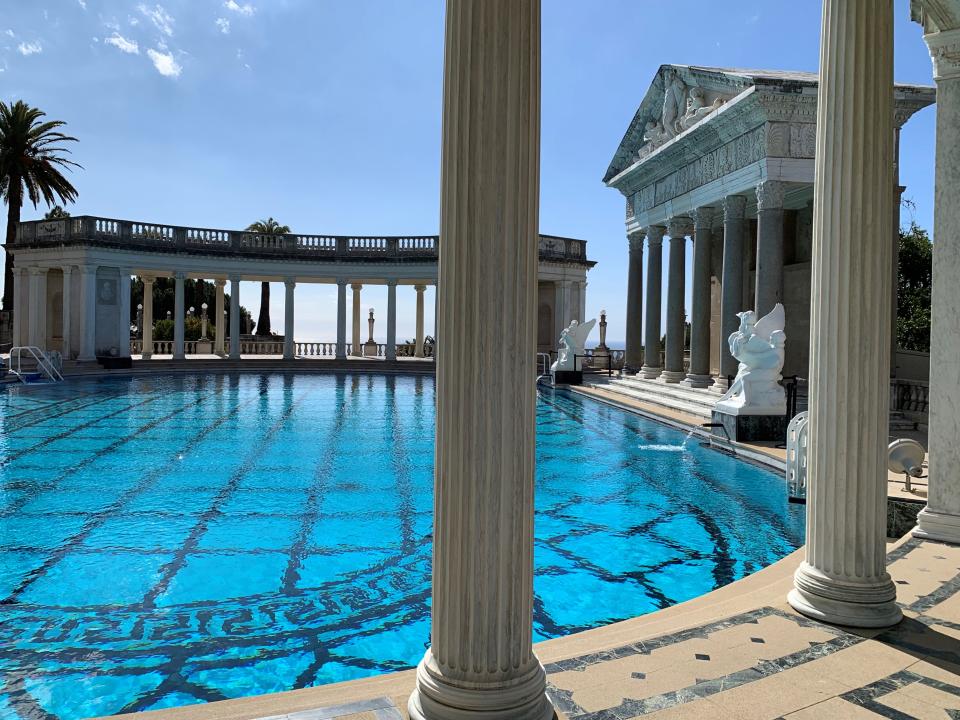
(275, 347)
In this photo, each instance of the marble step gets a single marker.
(682, 399)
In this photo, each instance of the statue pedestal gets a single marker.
(204, 347)
(601, 358)
(568, 377)
(369, 349)
(748, 425)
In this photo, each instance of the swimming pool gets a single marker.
(174, 540)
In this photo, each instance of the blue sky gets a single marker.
(326, 114)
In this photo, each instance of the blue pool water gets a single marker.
(166, 541)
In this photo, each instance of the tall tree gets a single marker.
(914, 282)
(271, 228)
(31, 159)
(56, 213)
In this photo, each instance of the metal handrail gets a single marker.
(544, 368)
(44, 363)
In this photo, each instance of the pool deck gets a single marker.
(737, 653)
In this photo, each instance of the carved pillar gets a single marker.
(940, 519)
(673, 371)
(699, 374)
(123, 303)
(219, 343)
(651, 347)
(418, 350)
(21, 317)
(633, 357)
(356, 348)
(146, 351)
(234, 317)
(288, 309)
(731, 294)
(844, 579)
(66, 298)
(88, 313)
(341, 320)
(38, 307)
(769, 275)
(178, 316)
(391, 350)
(481, 662)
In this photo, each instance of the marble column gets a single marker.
(147, 331)
(178, 316)
(391, 349)
(769, 275)
(583, 300)
(123, 301)
(562, 305)
(699, 374)
(633, 357)
(219, 344)
(731, 284)
(651, 326)
(481, 662)
(940, 519)
(673, 371)
(21, 318)
(844, 579)
(341, 350)
(234, 317)
(66, 298)
(38, 307)
(289, 285)
(356, 349)
(418, 350)
(88, 313)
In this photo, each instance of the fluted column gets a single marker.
(356, 348)
(234, 317)
(769, 276)
(146, 351)
(583, 300)
(844, 579)
(391, 351)
(66, 298)
(289, 285)
(88, 312)
(38, 307)
(633, 357)
(562, 305)
(123, 301)
(218, 343)
(651, 326)
(481, 663)
(731, 290)
(940, 519)
(673, 357)
(21, 318)
(699, 373)
(418, 350)
(178, 316)
(341, 349)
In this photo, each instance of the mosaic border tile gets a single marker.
(869, 696)
(382, 708)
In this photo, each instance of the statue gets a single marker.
(697, 108)
(654, 134)
(572, 340)
(674, 102)
(759, 346)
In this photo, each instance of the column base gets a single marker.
(860, 604)
(437, 698)
(649, 372)
(698, 381)
(933, 525)
(146, 356)
(672, 376)
(720, 385)
(179, 357)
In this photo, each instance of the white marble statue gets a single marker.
(697, 108)
(759, 346)
(572, 340)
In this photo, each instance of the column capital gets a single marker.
(420, 288)
(125, 271)
(734, 207)
(678, 227)
(148, 279)
(770, 195)
(341, 283)
(655, 234)
(88, 269)
(234, 277)
(391, 283)
(290, 282)
(703, 218)
(66, 269)
(179, 275)
(944, 47)
(19, 270)
(36, 270)
(219, 283)
(635, 240)
(356, 286)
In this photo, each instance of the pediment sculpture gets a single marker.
(572, 341)
(759, 346)
(683, 107)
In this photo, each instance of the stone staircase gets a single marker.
(670, 396)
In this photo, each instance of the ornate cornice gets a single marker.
(944, 49)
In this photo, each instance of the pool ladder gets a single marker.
(46, 364)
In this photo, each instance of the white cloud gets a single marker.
(241, 59)
(32, 48)
(161, 19)
(83, 4)
(133, 21)
(122, 44)
(11, 33)
(246, 9)
(165, 63)
(224, 25)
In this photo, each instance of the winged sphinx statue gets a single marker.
(572, 340)
(759, 346)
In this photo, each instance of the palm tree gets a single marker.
(31, 159)
(266, 227)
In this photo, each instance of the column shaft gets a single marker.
(356, 348)
(234, 317)
(844, 578)
(481, 663)
(699, 374)
(651, 347)
(88, 312)
(288, 339)
(38, 307)
(940, 519)
(66, 304)
(731, 291)
(391, 352)
(146, 351)
(676, 316)
(21, 319)
(178, 316)
(218, 344)
(769, 275)
(633, 357)
(341, 319)
(124, 310)
(418, 350)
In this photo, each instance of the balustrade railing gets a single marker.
(910, 397)
(275, 347)
(131, 234)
